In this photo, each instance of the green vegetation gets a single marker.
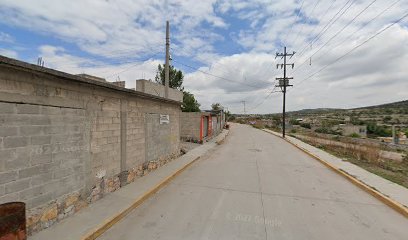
(373, 130)
(216, 106)
(294, 122)
(190, 104)
(306, 125)
(176, 77)
(355, 135)
(326, 130)
(387, 119)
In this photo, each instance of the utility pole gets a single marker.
(244, 106)
(284, 82)
(166, 66)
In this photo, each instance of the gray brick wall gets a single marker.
(41, 155)
(61, 137)
(190, 125)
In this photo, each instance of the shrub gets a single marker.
(354, 135)
(306, 125)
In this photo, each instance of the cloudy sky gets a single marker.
(349, 53)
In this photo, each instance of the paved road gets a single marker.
(256, 186)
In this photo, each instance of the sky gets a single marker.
(348, 53)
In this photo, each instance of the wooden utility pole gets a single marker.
(283, 83)
(166, 66)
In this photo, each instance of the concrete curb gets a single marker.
(220, 141)
(372, 191)
(120, 215)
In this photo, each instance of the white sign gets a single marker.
(164, 118)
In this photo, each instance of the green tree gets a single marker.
(387, 119)
(176, 77)
(216, 106)
(190, 104)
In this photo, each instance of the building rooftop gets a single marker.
(82, 78)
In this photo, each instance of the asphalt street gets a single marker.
(257, 186)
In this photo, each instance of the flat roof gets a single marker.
(28, 67)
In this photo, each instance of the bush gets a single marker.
(378, 131)
(306, 125)
(327, 131)
(294, 122)
(355, 135)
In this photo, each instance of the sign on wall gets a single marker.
(164, 119)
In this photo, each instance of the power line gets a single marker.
(203, 60)
(338, 32)
(329, 24)
(364, 25)
(103, 57)
(324, 14)
(356, 47)
(265, 98)
(223, 78)
(291, 26)
(301, 28)
(132, 66)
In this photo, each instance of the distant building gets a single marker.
(201, 126)
(348, 129)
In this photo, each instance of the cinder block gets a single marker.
(7, 107)
(41, 179)
(7, 155)
(6, 177)
(40, 140)
(13, 142)
(46, 110)
(40, 159)
(17, 186)
(15, 120)
(32, 192)
(40, 120)
(61, 173)
(20, 159)
(31, 130)
(13, 197)
(28, 109)
(8, 131)
(39, 200)
(54, 129)
(31, 171)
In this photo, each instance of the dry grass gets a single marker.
(368, 158)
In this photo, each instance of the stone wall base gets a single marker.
(56, 210)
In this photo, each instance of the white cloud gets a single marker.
(6, 38)
(100, 27)
(8, 53)
(373, 74)
(57, 58)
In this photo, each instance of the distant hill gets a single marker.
(400, 104)
(387, 108)
(400, 107)
(315, 111)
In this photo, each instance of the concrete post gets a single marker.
(166, 67)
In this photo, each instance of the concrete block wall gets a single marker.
(149, 87)
(190, 123)
(66, 141)
(42, 152)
